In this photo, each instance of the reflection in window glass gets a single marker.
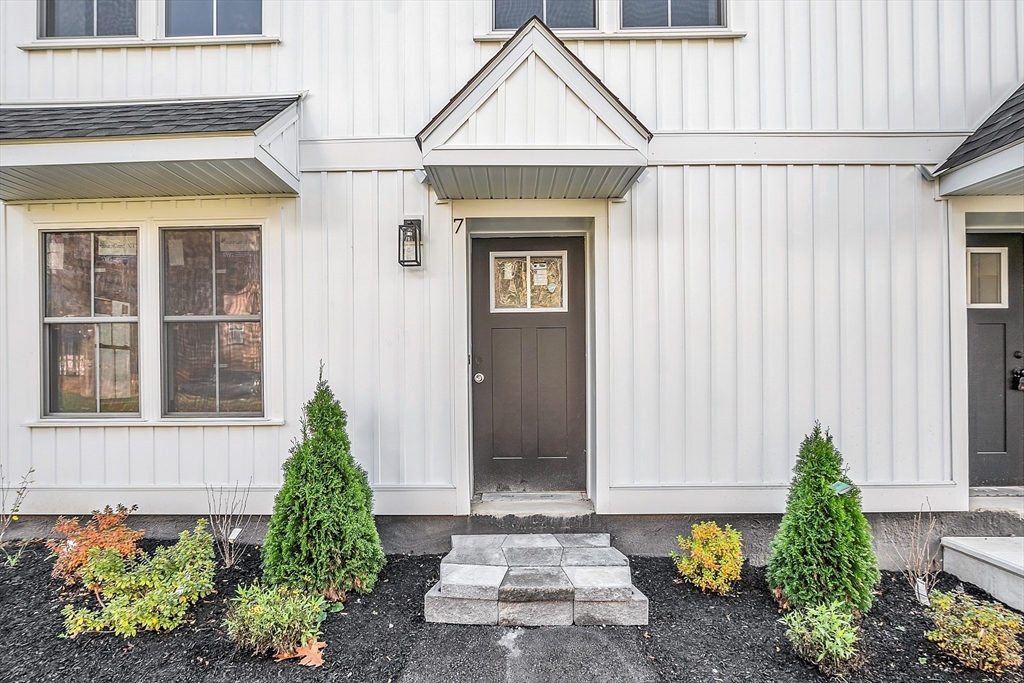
(78, 18)
(986, 278)
(510, 282)
(201, 17)
(213, 299)
(665, 13)
(515, 13)
(92, 366)
(511, 14)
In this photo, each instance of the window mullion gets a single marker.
(216, 365)
(214, 32)
(213, 288)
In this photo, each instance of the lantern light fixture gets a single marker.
(410, 242)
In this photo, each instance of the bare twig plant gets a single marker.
(228, 521)
(10, 503)
(919, 554)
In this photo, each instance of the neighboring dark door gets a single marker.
(529, 364)
(995, 340)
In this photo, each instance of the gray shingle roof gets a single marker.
(163, 118)
(1004, 127)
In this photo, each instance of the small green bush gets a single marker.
(712, 558)
(982, 635)
(150, 593)
(271, 619)
(322, 536)
(826, 636)
(822, 551)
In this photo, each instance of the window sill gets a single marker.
(138, 43)
(626, 34)
(48, 423)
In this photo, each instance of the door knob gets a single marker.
(478, 377)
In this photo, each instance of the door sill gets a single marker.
(547, 504)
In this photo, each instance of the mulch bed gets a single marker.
(691, 637)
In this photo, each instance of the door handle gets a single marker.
(478, 377)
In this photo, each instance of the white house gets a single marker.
(645, 248)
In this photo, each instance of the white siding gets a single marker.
(383, 67)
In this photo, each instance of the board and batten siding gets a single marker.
(384, 67)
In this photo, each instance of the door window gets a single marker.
(528, 282)
(987, 277)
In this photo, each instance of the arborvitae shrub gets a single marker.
(322, 536)
(822, 551)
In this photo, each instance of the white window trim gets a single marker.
(1004, 276)
(609, 26)
(150, 18)
(270, 222)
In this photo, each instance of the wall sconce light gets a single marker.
(410, 240)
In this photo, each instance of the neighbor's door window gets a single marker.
(79, 18)
(555, 13)
(212, 320)
(91, 323)
(214, 17)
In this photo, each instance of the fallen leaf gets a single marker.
(310, 653)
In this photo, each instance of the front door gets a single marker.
(995, 340)
(529, 364)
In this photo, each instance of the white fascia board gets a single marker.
(128, 150)
(535, 156)
(1007, 160)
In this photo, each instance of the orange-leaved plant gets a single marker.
(982, 635)
(106, 529)
(712, 558)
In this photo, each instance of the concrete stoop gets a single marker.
(535, 580)
(994, 564)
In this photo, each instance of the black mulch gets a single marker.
(691, 637)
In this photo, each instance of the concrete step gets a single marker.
(535, 580)
(994, 564)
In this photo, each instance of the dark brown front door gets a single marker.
(995, 339)
(529, 364)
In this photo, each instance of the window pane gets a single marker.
(68, 257)
(515, 13)
(641, 13)
(570, 14)
(546, 282)
(510, 282)
(241, 363)
(116, 269)
(191, 367)
(188, 272)
(115, 17)
(238, 272)
(695, 13)
(239, 17)
(986, 278)
(68, 18)
(189, 18)
(72, 367)
(119, 367)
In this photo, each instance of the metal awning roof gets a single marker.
(151, 149)
(464, 156)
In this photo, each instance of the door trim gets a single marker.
(550, 218)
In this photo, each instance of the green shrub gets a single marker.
(148, 593)
(274, 619)
(712, 558)
(322, 535)
(822, 551)
(982, 635)
(826, 636)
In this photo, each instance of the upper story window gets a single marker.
(79, 18)
(666, 13)
(214, 17)
(511, 14)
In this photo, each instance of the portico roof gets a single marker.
(534, 123)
